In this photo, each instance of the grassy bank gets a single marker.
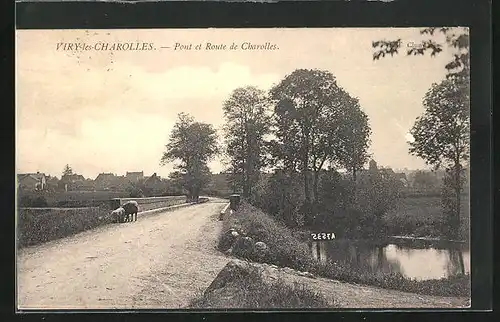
(451, 286)
(288, 251)
(252, 292)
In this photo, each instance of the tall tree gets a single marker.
(355, 134)
(441, 135)
(307, 110)
(247, 122)
(67, 170)
(193, 144)
(455, 38)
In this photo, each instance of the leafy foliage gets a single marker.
(355, 135)
(193, 144)
(67, 170)
(282, 196)
(441, 134)
(377, 192)
(316, 121)
(455, 38)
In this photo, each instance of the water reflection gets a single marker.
(419, 263)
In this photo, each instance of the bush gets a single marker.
(282, 196)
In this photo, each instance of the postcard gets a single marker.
(266, 168)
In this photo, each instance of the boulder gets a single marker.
(243, 247)
(228, 239)
(234, 271)
(260, 249)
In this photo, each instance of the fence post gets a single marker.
(234, 201)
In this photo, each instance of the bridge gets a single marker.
(162, 260)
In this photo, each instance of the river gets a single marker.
(414, 259)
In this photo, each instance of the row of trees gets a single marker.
(308, 123)
(300, 126)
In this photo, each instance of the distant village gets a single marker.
(76, 182)
(410, 180)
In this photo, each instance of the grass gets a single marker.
(286, 250)
(252, 292)
(423, 217)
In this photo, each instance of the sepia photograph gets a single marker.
(248, 168)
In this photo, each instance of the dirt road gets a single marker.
(161, 261)
(152, 263)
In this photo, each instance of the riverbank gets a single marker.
(275, 287)
(288, 251)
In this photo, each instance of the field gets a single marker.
(423, 217)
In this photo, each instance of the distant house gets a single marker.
(84, 185)
(135, 176)
(109, 181)
(71, 181)
(72, 178)
(32, 181)
(52, 183)
(154, 182)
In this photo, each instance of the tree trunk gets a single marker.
(306, 186)
(315, 186)
(245, 185)
(458, 189)
(354, 184)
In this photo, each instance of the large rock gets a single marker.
(228, 239)
(234, 271)
(237, 282)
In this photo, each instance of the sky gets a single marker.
(113, 110)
